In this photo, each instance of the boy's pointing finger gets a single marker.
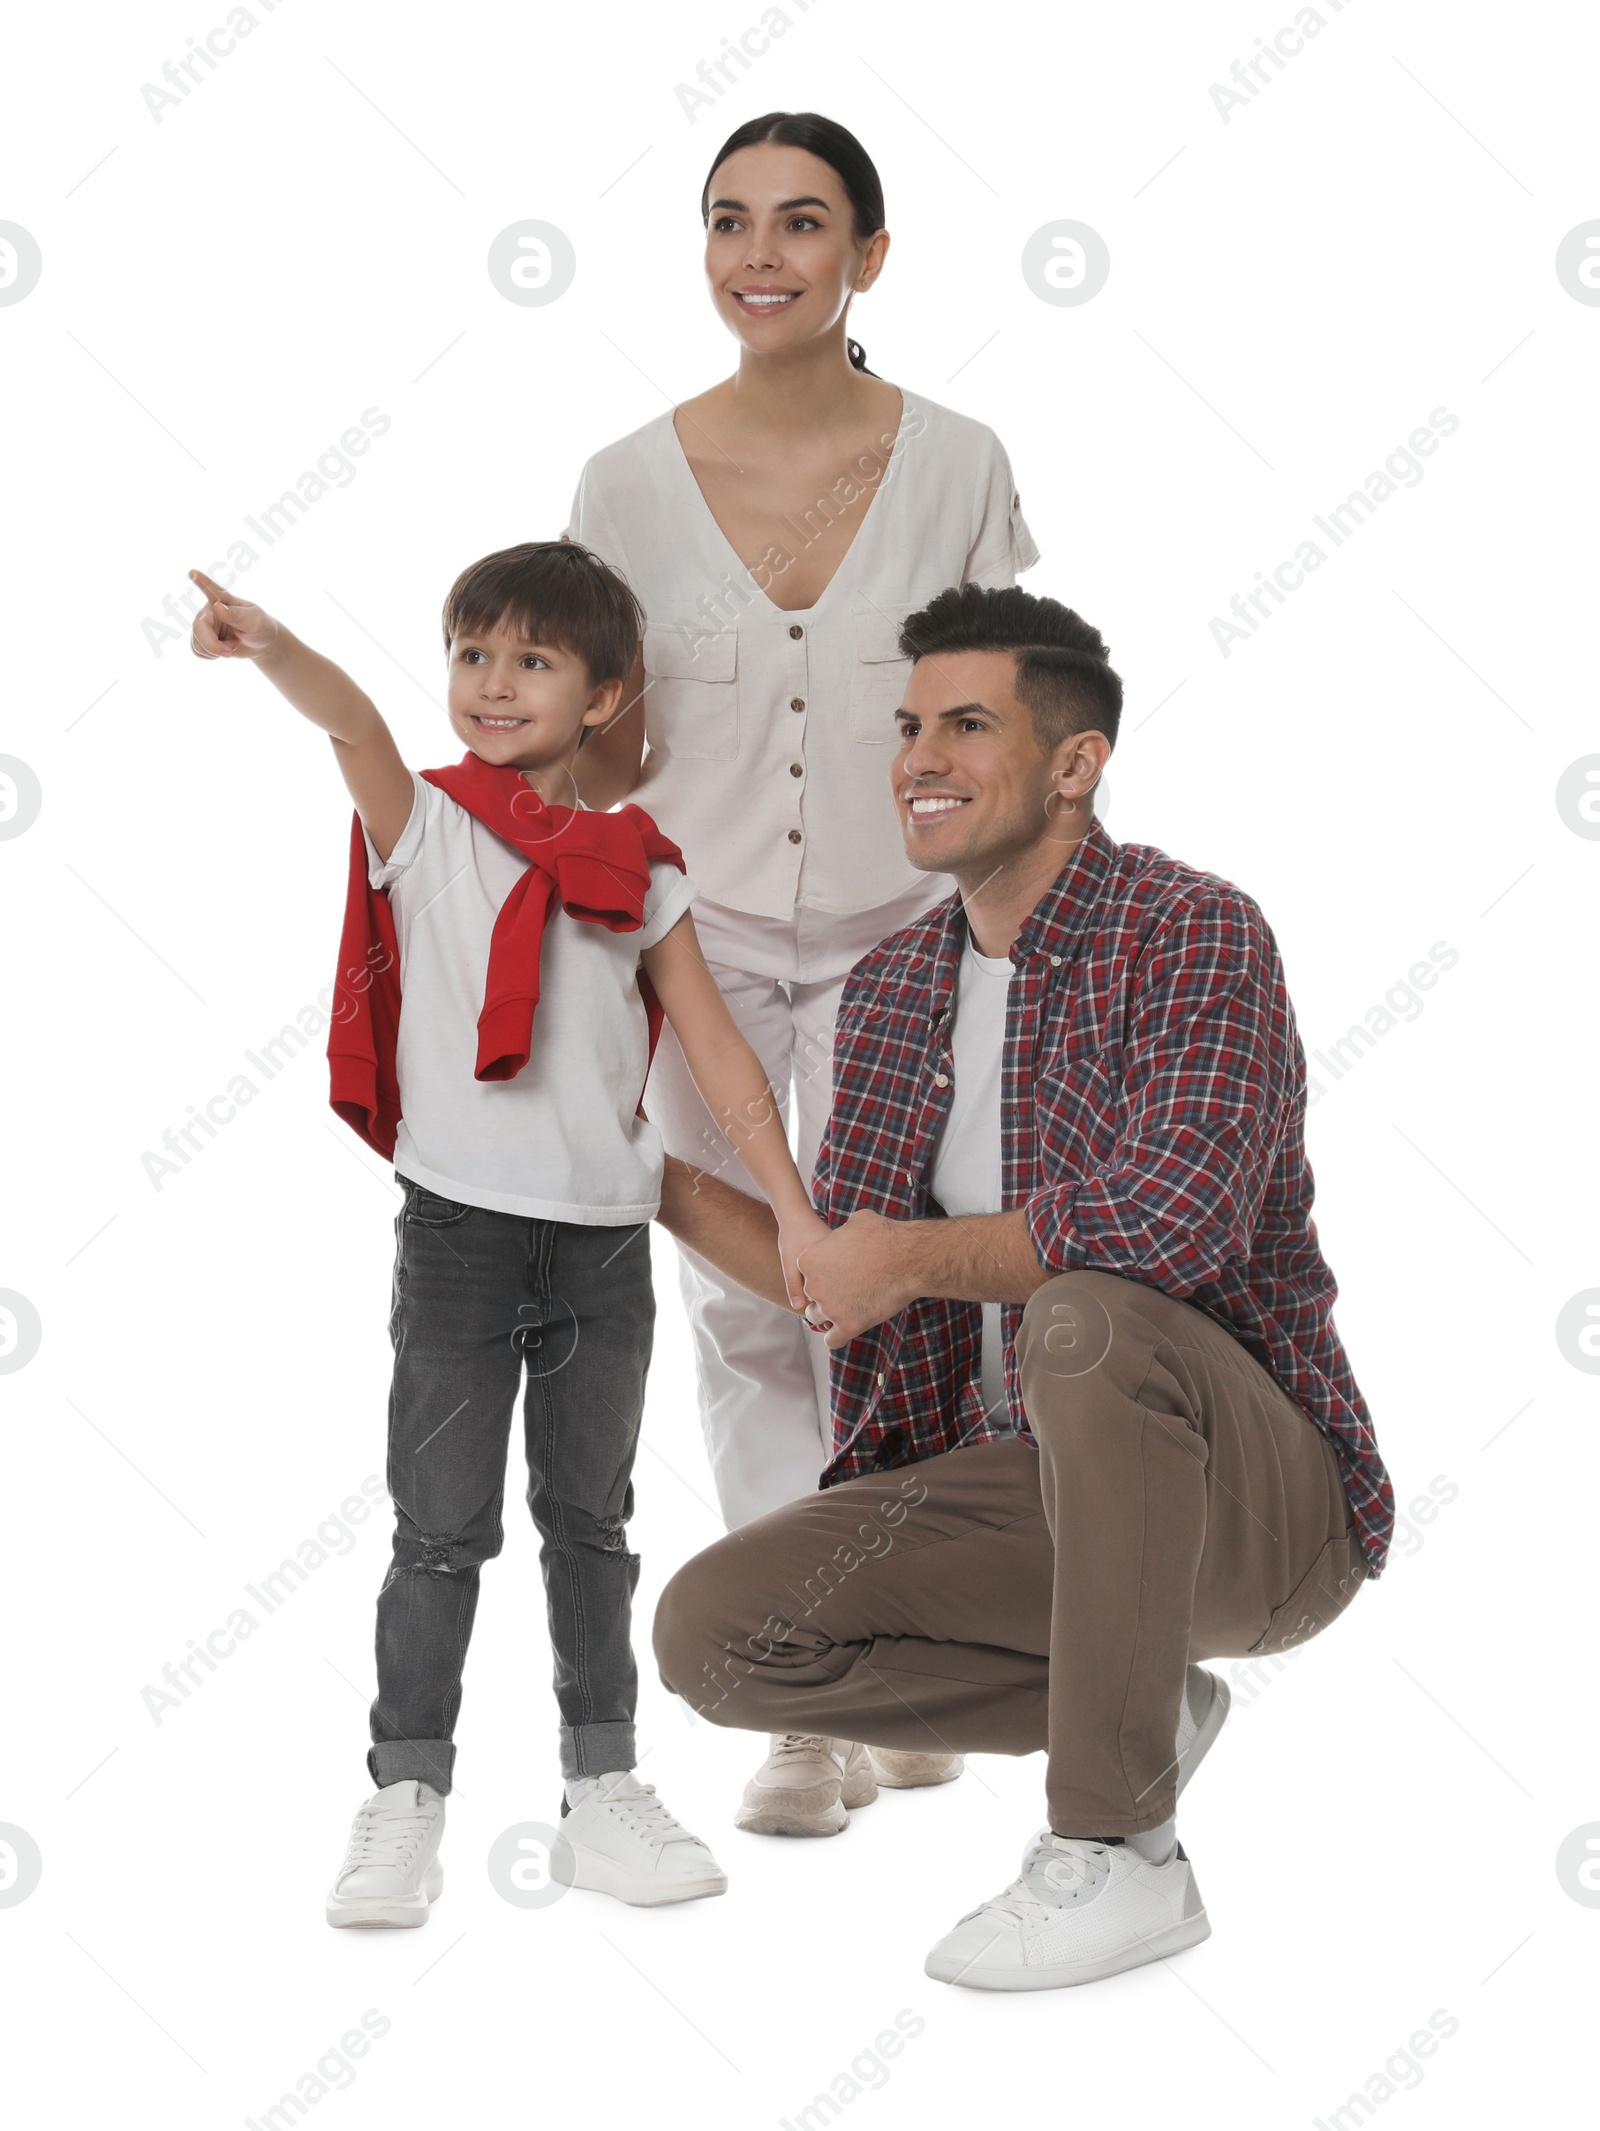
(203, 639)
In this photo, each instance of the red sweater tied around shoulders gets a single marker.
(594, 866)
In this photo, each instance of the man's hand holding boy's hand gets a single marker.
(229, 628)
(857, 1276)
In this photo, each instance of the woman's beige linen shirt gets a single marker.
(770, 732)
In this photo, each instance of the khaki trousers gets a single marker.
(998, 1599)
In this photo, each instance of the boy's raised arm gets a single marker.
(378, 780)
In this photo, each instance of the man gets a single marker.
(1092, 1419)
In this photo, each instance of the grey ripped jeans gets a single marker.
(479, 1297)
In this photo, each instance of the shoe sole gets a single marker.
(600, 1875)
(968, 1975)
(1206, 1737)
(816, 1809)
(375, 1913)
(916, 1772)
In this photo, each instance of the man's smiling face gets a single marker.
(971, 784)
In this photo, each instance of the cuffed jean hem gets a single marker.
(596, 1749)
(430, 1761)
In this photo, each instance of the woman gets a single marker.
(777, 530)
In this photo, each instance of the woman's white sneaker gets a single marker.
(620, 1839)
(1079, 1910)
(807, 1786)
(391, 1870)
(899, 1770)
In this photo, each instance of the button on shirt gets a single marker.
(738, 689)
(1153, 1096)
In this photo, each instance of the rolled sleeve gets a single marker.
(1208, 1071)
(671, 893)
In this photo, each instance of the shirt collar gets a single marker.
(1058, 919)
(1065, 910)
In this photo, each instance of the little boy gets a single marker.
(492, 1029)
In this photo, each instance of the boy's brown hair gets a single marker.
(556, 592)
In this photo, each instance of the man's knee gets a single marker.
(679, 1634)
(698, 1635)
(1070, 1325)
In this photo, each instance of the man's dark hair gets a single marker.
(1063, 674)
(556, 592)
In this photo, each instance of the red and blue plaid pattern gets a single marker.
(1154, 1094)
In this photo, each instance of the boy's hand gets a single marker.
(796, 1233)
(229, 628)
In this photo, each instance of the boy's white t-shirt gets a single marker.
(966, 1175)
(560, 1142)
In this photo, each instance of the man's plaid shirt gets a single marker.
(1153, 1099)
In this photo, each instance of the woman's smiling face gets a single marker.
(782, 255)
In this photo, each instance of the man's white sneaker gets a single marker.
(1079, 1910)
(1206, 1699)
(901, 1771)
(807, 1786)
(620, 1839)
(391, 1870)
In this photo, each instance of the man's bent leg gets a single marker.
(1195, 1512)
(906, 1609)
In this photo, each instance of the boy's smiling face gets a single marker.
(521, 703)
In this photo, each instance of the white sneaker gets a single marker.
(807, 1786)
(903, 1771)
(621, 1840)
(1077, 1911)
(1206, 1700)
(391, 1871)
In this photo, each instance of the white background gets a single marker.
(1292, 291)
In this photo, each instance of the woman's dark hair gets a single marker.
(832, 144)
(1064, 676)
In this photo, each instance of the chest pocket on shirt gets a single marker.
(878, 682)
(691, 701)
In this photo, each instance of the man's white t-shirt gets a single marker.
(967, 1161)
(560, 1142)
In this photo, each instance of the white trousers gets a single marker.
(763, 1378)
